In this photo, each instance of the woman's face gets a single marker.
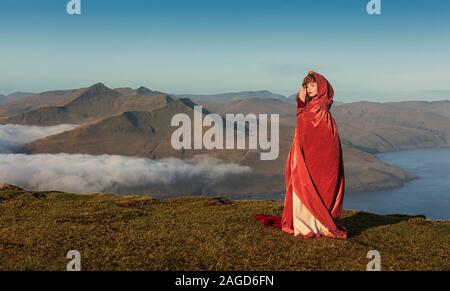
(311, 88)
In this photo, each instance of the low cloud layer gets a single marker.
(13, 136)
(105, 173)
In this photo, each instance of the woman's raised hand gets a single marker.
(302, 94)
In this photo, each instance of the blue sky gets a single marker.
(214, 46)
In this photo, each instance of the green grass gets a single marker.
(197, 233)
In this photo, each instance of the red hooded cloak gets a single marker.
(314, 167)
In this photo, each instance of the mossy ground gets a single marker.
(37, 229)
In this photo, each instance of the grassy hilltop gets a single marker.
(37, 229)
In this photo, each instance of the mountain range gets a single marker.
(136, 122)
(226, 97)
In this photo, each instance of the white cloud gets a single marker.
(12, 136)
(107, 173)
(104, 173)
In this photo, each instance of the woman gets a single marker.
(315, 179)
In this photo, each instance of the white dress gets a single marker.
(305, 224)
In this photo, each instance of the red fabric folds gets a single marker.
(314, 167)
(269, 220)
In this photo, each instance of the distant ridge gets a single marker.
(99, 89)
(90, 104)
(225, 97)
(144, 91)
(13, 96)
